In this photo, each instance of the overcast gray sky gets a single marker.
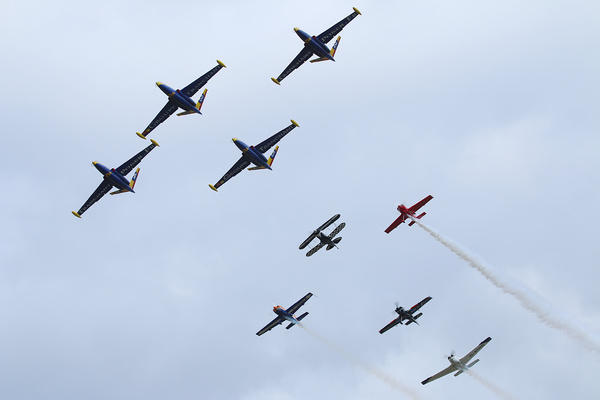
(491, 107)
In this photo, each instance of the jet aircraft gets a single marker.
(286, 315)
(116, 177)
(406, 314)
(408, 213)
(324, 240)
(181, 98)
(317, 45)
(461, 365)
(254, 155)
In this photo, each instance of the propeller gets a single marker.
(452, 354)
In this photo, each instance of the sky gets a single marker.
(490, 107)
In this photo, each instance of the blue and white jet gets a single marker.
(254, 155)
(181, 98)
(317, 45)
(115, 177)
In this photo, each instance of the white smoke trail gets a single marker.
(530, 301)
(371, 370)
(497, 390)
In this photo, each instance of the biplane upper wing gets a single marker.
(391, 324)
(476, 350)
(193, 87)
(294, 307)
(308, 240)
(277, 321)
(419, 305)
(238, 167)
(300, 59)
(265, 145)
(329, 222)
(130, 164)
(420, 204)
(395, 224)
(330, 33)
(443, 372)
(100, 191)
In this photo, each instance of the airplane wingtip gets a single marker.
(213, 187)
(140, 135)
(76, 214)
(276, 81)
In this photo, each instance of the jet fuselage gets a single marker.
(115, 178)
(178, 98)
(314, 44)
(254, 156)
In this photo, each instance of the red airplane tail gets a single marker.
(413, 221)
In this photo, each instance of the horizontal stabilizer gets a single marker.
(305, 314)
(337, 240)
(335, 46)
(473, 363)
(458, 373)
(413, 221)
(415, 317)
(318, 59)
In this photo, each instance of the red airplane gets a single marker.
(408, 213)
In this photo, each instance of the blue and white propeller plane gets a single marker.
(459, 364)
(406, 315)
(254, 155)
(181, 98)
(115, 177)
(286, 315)
(317, 45)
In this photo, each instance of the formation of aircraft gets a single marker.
(317, 45)
(459, 364)
(406, 314)
(181, 98)
(115, 177)
(324, 240)
(254, 155)
(409, 212)
(286, 315)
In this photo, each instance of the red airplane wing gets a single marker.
(420, 204)
(395, 224)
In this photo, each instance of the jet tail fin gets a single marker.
(131, 183)
(411, 223)
(269, 161)
(198, 105)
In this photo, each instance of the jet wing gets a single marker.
(100, 191)
(315, 249)
(265, 145)
(420, 204)
(329, 222)
(337, 230)
(444, 372)
(135, 160)
(161, 117)
(395, 224)
(330, 33)
(476, 350)
(391, 325)
(300, 59)
(193, 87)
(294, 307)
(419, 304)
(277, 321)
(233, 171)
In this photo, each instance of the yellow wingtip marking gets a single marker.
(140, 135)
(221, 63)
(356, 10)
(213, 187)
(295, 123)
(154, 142)
(75, 214)
(276, 81)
